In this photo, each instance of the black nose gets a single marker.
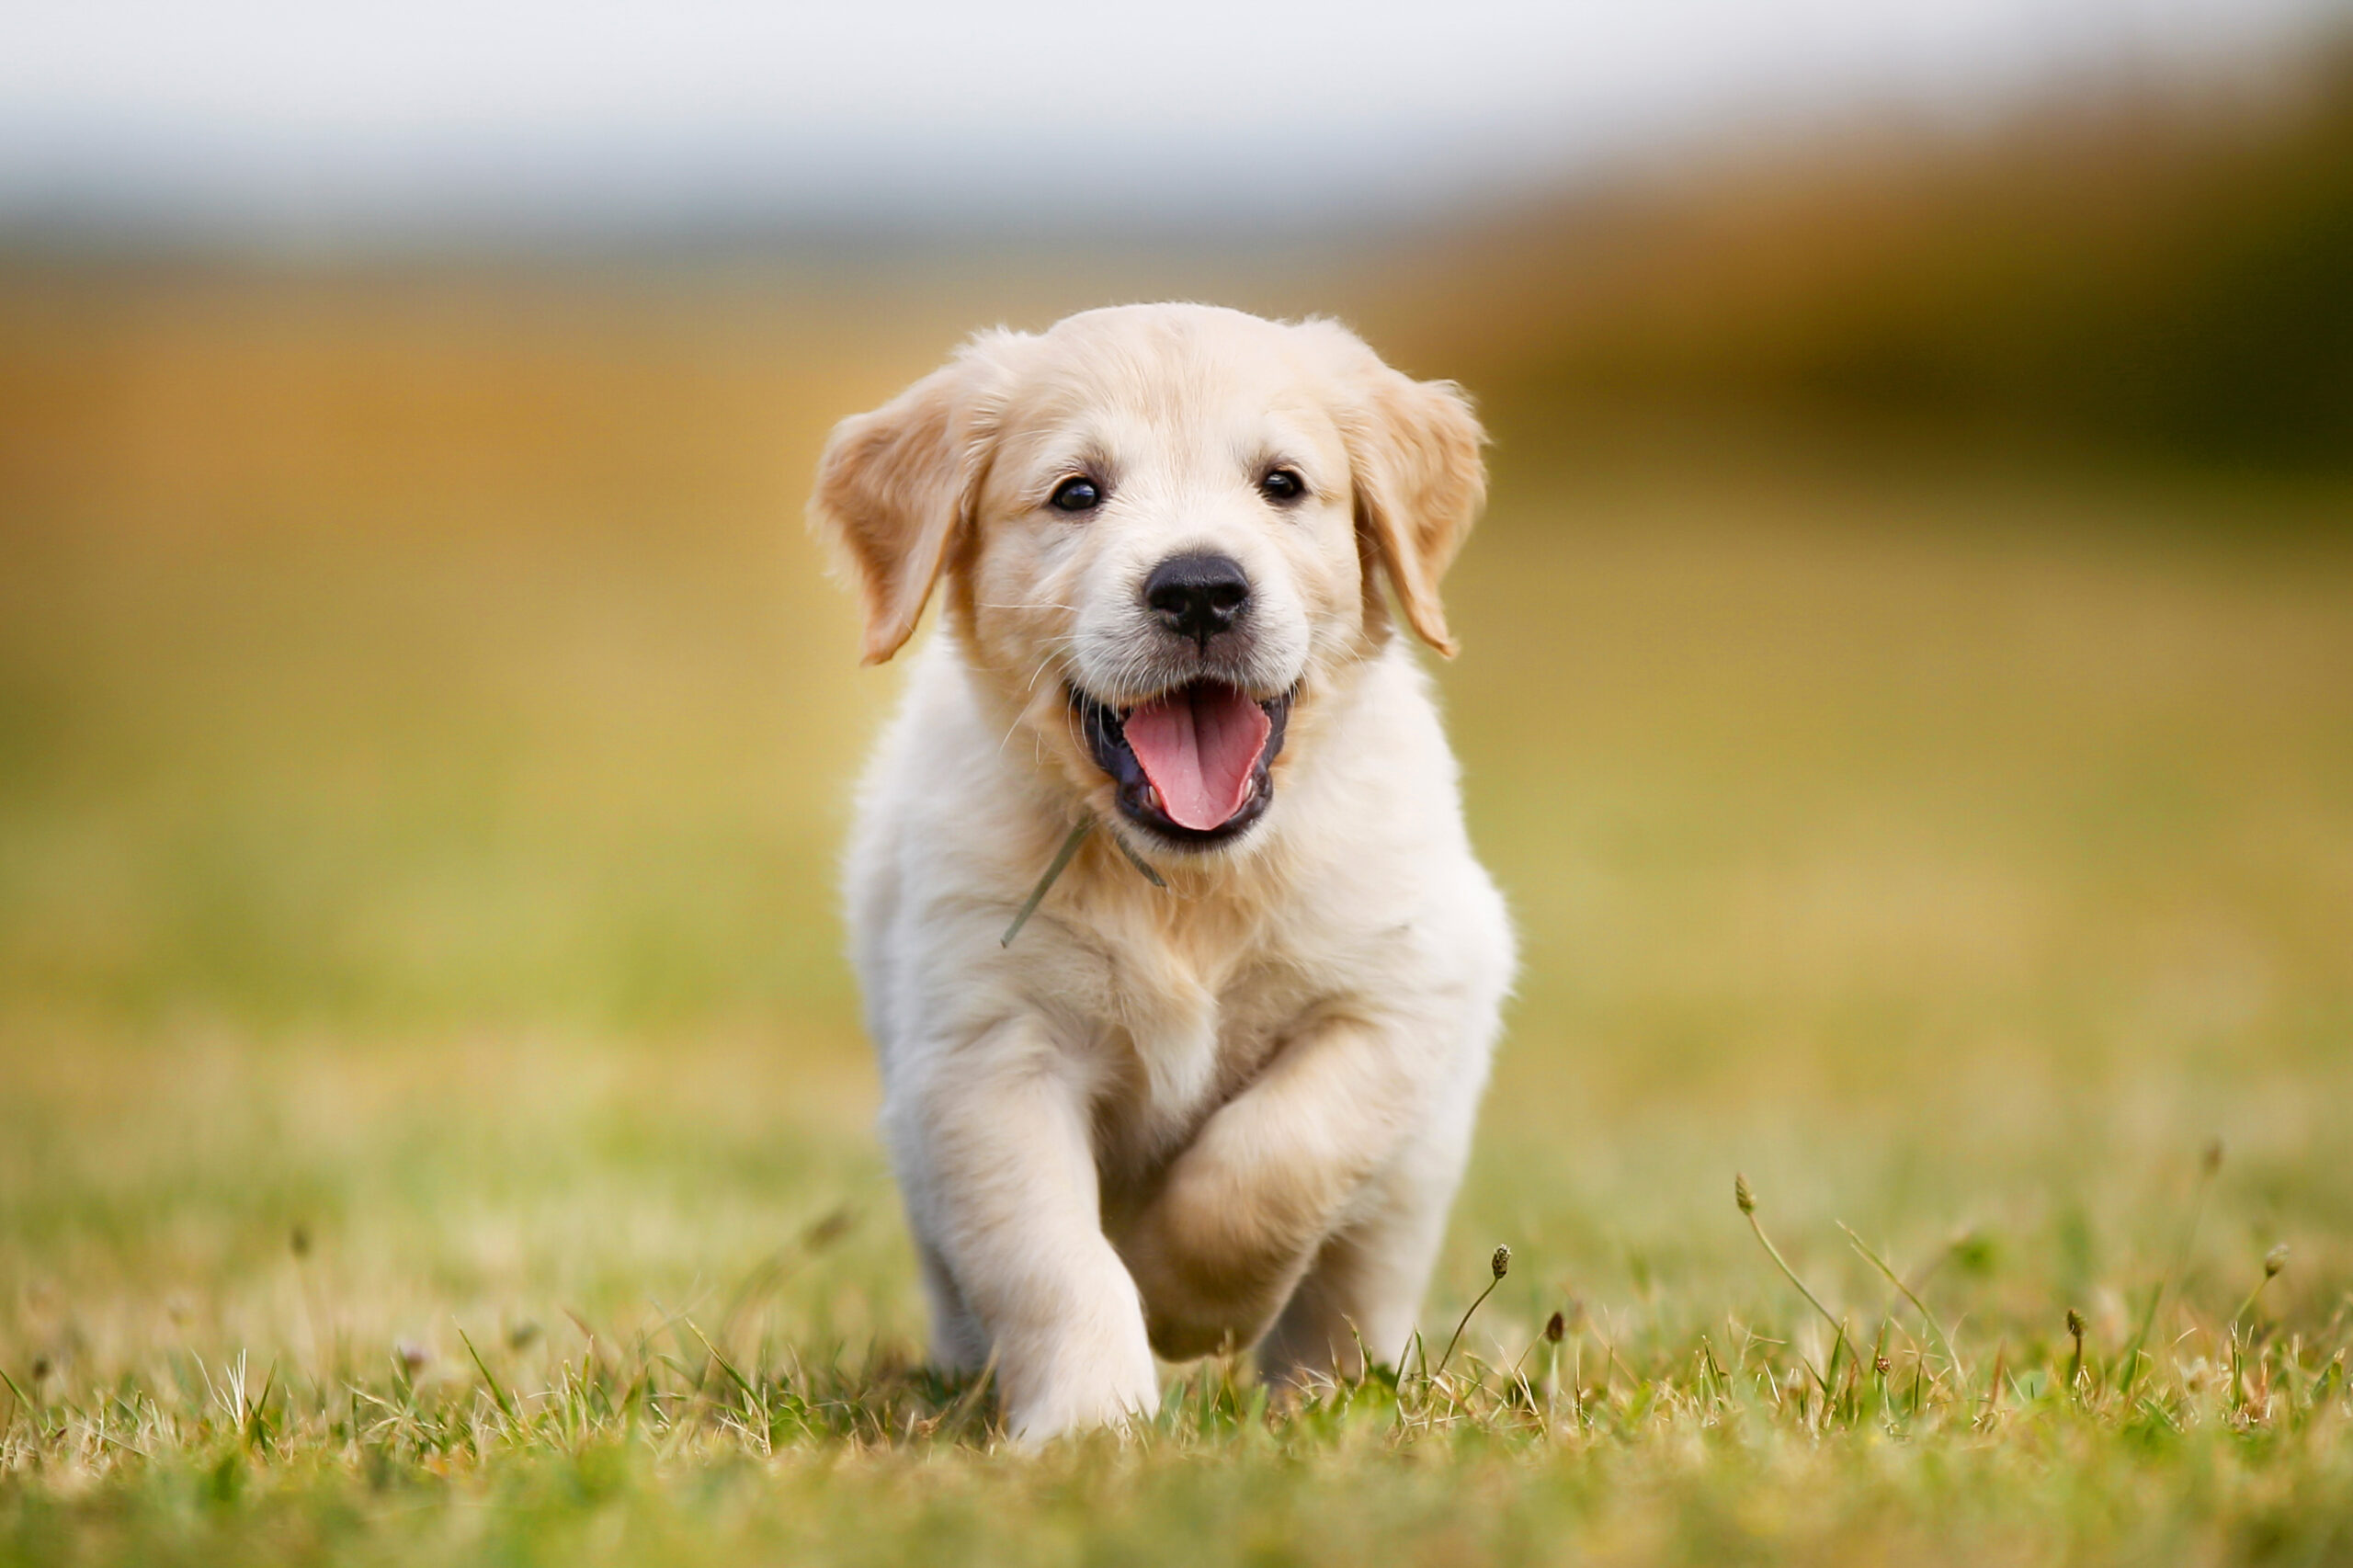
(1198, 595)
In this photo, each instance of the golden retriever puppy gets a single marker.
(1218, 1088)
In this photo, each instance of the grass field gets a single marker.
(433, 1123)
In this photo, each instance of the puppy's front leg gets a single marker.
(994, 1134)
(1244, 1207)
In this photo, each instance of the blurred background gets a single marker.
(1908, 687)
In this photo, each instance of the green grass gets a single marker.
(433, 1124)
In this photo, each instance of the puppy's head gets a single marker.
(1163, 530)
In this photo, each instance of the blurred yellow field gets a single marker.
(424, 739)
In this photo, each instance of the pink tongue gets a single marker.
(1198, 746)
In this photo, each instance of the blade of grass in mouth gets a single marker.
(1061, 863)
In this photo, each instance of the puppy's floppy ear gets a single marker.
(896, 487)
(1413, 455)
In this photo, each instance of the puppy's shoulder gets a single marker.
(938, 792)
(1390, 773)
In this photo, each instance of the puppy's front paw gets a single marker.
(1075, 1397)
(1081, 1409)
(1212, 1275)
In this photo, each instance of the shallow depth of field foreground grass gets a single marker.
(434, 1128)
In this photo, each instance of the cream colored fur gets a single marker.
(1235, 1111)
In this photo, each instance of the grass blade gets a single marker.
(1920, 1306)
(497, 1394)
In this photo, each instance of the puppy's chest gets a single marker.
(1179, 1041)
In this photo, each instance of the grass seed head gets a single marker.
(1743, 1194)
(833, 1227)
(2074, 1324)
(2274, 1260)
(1554, 1327)
(1501, 1262)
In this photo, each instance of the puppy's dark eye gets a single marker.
(1077, 494)
(1282, 485)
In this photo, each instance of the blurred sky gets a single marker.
(320, 118)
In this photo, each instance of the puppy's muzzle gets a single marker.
(1199, 597)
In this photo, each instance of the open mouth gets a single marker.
(1193, 763)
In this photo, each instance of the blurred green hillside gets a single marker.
(2164, 269)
